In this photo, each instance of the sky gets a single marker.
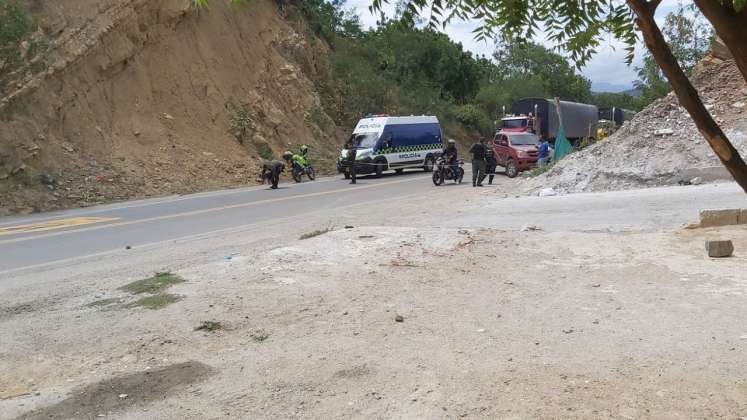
(607, 70)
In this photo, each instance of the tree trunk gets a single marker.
(731, 27)
(685, 91)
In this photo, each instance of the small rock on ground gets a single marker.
(719, 249)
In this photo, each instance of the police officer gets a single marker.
(271, 170)
(478, 162)
(490, 162)
(350, 159)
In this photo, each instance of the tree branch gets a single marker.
(732, 29)
(686, 92)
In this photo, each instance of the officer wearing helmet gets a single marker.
(293, 158)
(303, 152)
(450, 154)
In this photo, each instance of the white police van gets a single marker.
(394, 143)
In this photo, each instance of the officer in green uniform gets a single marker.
(478, 163)
(350, 159)
(271, 170)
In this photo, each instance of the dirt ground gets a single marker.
(575, 323)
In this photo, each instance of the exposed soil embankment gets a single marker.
(139, 98)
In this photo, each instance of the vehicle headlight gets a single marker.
(523, 154)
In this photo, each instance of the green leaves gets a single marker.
(578, 27)
(15, 24)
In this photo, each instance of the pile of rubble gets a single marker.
(660, 145)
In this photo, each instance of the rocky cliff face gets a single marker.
(139, 98)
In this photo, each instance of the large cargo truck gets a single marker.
(539, 116)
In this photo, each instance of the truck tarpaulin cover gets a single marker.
(562, 145)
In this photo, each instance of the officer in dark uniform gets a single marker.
(350, 159)
(271, 170)
(490, 162)
(478, 163)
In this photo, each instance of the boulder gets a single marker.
(719, 249)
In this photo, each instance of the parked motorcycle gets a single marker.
(444, 171)
(299, 171)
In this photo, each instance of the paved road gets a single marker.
(55, 237)
(45, 238)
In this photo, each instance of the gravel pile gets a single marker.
(660, 145)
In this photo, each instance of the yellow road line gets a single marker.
(53, 224)
(210, 210)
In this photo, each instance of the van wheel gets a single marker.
(379, 169)
(346, 174)
(511, 169)
(428, 165)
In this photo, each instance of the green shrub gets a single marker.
(240, 121)
(265, 152)
(473, 117)
(15, 24)
(314, 116)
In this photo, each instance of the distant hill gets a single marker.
(600, 87)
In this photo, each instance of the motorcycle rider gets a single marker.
(294, 159)
(271, 170)
(450, 155)
(303, 152)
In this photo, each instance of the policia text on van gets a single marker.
(393, 143)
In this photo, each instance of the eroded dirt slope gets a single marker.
(149, 97)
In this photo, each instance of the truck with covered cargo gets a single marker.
(540, 116)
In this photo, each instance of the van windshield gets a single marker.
(517, 123)
(364, 140)
(524, 140)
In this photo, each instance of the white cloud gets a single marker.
(608, 66)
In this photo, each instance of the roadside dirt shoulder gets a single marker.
(416, 320)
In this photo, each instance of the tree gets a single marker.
(689, 37)
(580, 26)
(616, 100)
(523, 60)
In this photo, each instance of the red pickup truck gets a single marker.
(516, 151)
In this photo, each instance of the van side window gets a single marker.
(502, 140)
(387, 141)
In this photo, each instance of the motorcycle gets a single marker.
(299, 171)
(443, 172)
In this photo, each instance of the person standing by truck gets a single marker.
(490, 163)
(478, 162)
(544, 153)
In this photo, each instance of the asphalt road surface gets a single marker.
(42, 239)
(45, 239)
